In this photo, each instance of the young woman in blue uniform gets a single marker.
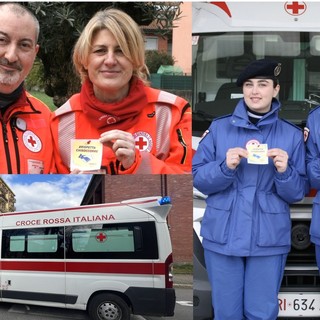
(312, 138)
(251, 164)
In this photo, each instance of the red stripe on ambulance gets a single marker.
(87, 267)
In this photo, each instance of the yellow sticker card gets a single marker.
(258, 153)
(86, 155)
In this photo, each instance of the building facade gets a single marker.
(7, 198)
(182, 39)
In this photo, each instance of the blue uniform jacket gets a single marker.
(313, 170)
(247, 212)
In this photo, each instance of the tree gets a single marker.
(61, 24)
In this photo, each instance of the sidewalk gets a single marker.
(183, 280)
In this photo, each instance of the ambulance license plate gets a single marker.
(299, 304)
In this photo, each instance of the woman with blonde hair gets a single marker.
(141, 129)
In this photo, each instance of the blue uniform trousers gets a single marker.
(245, 287)
(317, 248)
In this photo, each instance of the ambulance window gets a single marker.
(276, 44)
(17, 243)
(34, 243)
(113, 241)
(103, 240)
(42, 243)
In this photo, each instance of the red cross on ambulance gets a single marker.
(101, 237)
(32, 141)
(295, 8)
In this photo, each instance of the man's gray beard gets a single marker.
(9, 78)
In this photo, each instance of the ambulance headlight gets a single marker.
(165, 200)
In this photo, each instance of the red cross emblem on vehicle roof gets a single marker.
(295, 8)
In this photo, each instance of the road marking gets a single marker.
(185, 303)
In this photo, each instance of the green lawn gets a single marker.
(44, 98)
(186, 268)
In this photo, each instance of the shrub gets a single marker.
(35, 79)
(155, 59)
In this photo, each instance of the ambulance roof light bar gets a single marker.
(165, 200)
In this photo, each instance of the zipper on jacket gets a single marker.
(114, 167)
(6, 146)
(15, 141)
(184, 145)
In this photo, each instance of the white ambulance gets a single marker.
(112, 260)
(227, 35)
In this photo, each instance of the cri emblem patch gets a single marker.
(31, 141)
(252, 143)
(143, 141)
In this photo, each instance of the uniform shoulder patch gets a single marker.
(204, 134)
(306, 132)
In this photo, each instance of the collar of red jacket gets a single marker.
(121, 115)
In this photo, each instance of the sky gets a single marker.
(41, 192)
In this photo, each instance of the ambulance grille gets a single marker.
(303, 279)
(301, 268)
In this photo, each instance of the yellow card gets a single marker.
(258, 153)
(86, 155)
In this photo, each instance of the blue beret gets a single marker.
(263, 68)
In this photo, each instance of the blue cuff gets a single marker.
(284, 175)
(226, 170)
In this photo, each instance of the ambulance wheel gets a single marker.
(108, 306)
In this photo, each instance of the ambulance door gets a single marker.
(32, 265)
(110, 257)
